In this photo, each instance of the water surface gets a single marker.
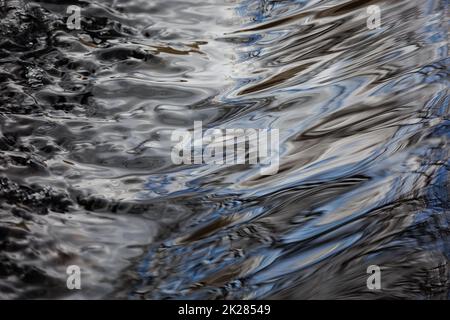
(86, 177)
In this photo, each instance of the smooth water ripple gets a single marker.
(86, 177)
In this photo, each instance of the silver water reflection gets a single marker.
(363, 178)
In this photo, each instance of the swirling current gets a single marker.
(86, 117)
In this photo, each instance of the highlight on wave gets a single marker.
(238, 150)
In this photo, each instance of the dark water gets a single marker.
(86, 177)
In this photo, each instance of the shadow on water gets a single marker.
(86, 178)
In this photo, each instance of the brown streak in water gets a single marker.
(175, 51)
(207, 230)
(279, 78)
(345, 8)
(89, 44)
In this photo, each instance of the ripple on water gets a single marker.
(86, 177)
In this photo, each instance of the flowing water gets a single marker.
(86, 117)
